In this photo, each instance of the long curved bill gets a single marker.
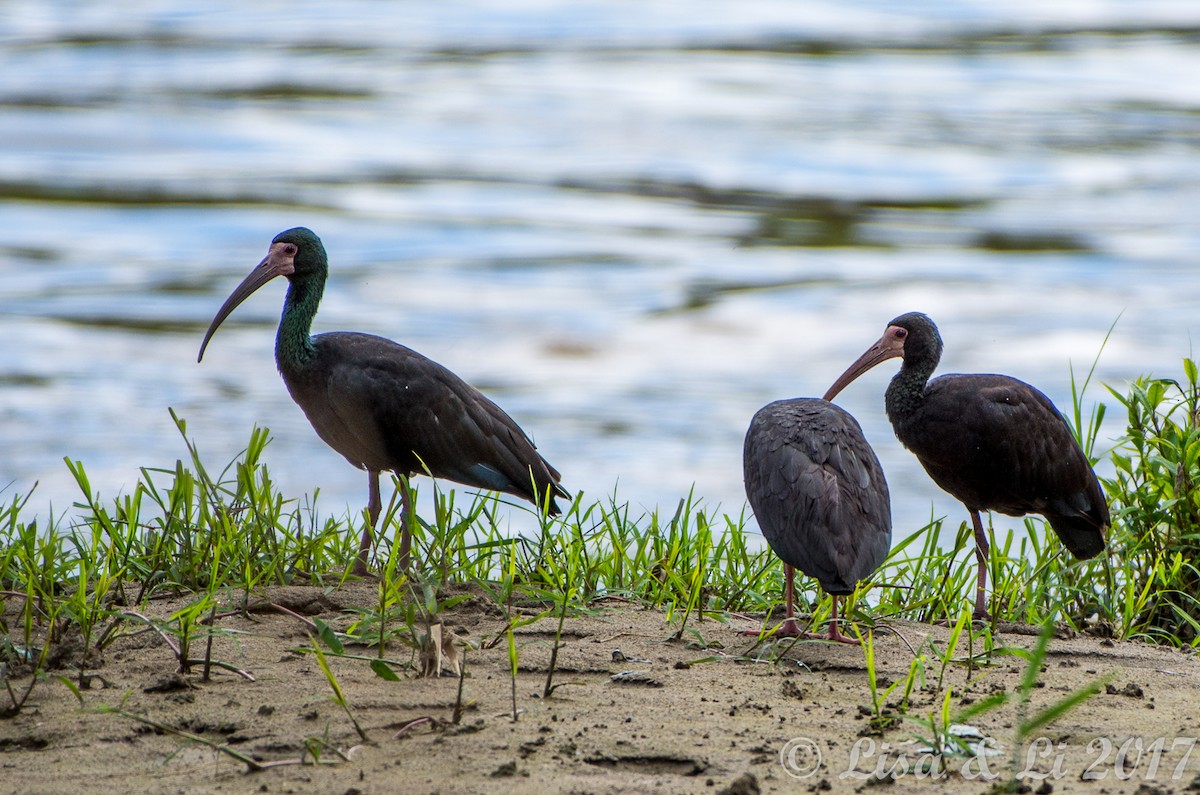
(276, 263)
(889, 346)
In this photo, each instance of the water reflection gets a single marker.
(632, 227)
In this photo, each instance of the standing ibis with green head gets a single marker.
(383, 406)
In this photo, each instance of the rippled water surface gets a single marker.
(631, 223)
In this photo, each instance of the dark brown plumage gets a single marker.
(991, 441)
(383, 406)
(820, 497)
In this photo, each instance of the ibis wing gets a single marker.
(995, 442)
(428, 420)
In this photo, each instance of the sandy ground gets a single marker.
(688, 719)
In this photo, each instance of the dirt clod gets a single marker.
(1130, 690)
(169, 684)
(745, 784)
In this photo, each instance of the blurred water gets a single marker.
(631, 223)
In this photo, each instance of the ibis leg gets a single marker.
(835, 634)
(374, 505)
(789, 628)
(981, 555)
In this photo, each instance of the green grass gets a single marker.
(1156, 505)
(220, 535)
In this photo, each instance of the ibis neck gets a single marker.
(293, 342)
(906, 391)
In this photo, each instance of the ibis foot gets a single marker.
(835, 636)
(790, 629)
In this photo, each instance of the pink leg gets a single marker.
(374, 505)
(789, 628)
(981, 555)
(835, 634)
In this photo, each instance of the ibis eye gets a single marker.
(290, 249)
(900, 333)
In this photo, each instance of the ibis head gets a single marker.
(296, 253)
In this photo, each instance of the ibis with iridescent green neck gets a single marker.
(385, 407)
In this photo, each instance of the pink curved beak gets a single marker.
(889, 346)
(276, 263)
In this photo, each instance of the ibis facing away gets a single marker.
(818, 492)
(383, 406)
(991, 441)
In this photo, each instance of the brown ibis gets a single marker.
(991, 441)
(818, 492)
(383, 406)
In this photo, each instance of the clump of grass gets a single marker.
(34, 562)
(882, 718)
(943, 733)
(1155, 496)
(924, 578)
